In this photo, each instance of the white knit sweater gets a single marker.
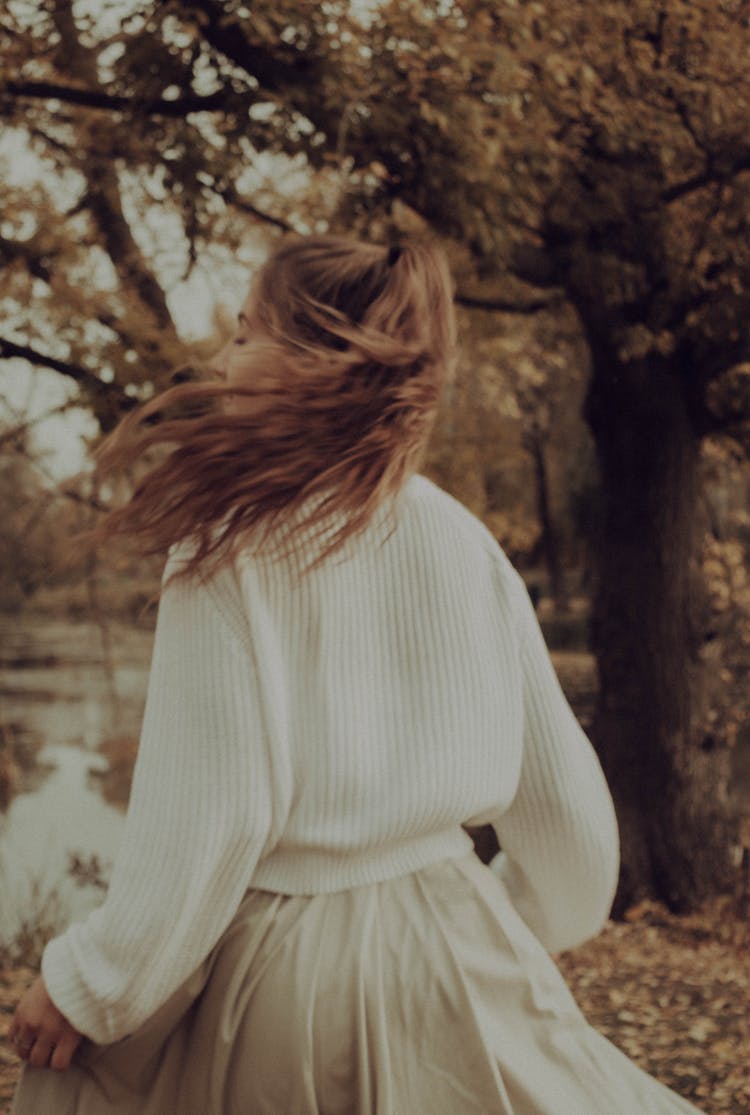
(310, 735)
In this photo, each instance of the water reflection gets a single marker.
(54, 679)
(54, 682)
(42, 830)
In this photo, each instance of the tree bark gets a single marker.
(659, 727)
(550, 541)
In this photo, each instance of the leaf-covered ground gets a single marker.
(673, 993)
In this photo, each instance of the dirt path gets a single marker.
(673, 993)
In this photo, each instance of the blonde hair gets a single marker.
(361, 339)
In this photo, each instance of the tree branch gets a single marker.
(98, 388)
(291, 75)
(508, 305)
(22, 428)
(274, 73)
(229, 196)
(103, 200)
(711, 176)
(55, 487)
(112, 102)
(37, 262)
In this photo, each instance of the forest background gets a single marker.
(587, 169)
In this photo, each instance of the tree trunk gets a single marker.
(659, 726)
(550, 542)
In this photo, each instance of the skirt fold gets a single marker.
(421, 995)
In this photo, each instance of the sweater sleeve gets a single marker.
(559, 843)
(198, 819)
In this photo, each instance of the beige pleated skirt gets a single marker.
(422, 995)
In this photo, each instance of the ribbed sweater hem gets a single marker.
(311, 871)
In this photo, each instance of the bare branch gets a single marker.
(97, 99)
(50, 141)
(224, 33)
(687, 123)
(229, 195)
(704, 229)
(9, 350)
(103, 201)
(711, 176)
(509, 305)
(36, 261)
(22, 428)
(56, 488)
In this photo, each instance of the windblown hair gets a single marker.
(357, 343)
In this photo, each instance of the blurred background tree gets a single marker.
(587, 168)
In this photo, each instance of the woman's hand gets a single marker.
(40, 1034)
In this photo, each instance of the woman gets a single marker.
(346, 671)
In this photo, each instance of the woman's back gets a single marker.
(393, 691)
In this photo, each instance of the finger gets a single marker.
(40, 1054)
(20, 1031)
(28, 1032)
(64, 1050)
(23, 1041)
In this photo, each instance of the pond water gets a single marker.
(72, 688)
